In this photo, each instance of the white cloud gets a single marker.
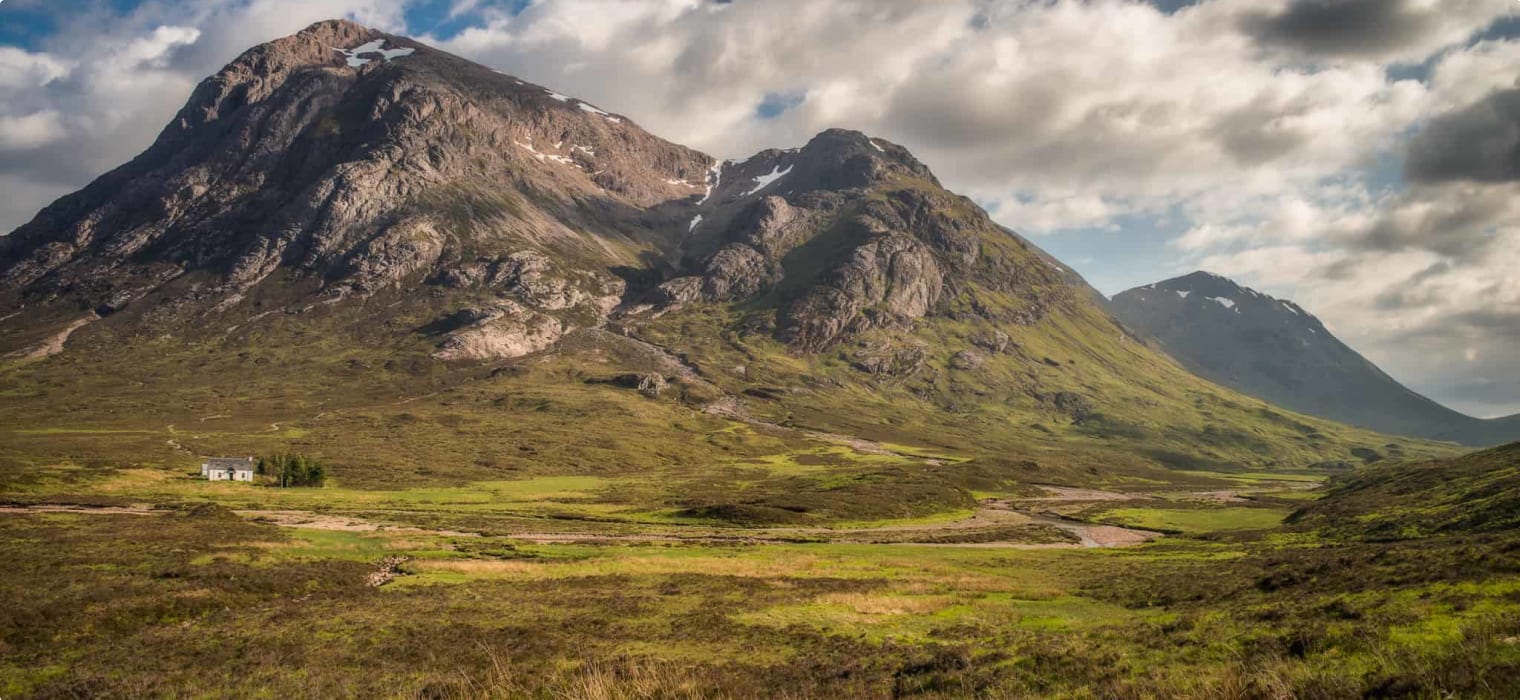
(29, 131)
(21, 69)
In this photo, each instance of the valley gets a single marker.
(648, 605)
(532, 403)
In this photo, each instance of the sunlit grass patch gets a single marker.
(1196, 520)
(1293, 495)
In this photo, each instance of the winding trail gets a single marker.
(54, 343)
(993, 513)
(84, 510)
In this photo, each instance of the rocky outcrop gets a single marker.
(890, 360)
(402, 251)
(681, 290)
(506, 331)
(967, 360)
(886, 282)
(652, 385)
(993, 341)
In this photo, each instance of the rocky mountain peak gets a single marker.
(834, 160)
(346, 162)
(357, 159)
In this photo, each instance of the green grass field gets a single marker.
(138, 604)
(1196, 521)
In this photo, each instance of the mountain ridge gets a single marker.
(1277, 351)
(335, 224)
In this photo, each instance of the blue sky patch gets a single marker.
(774, 104)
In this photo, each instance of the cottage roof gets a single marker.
(239, 463)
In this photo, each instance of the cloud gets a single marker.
(1370, 29)
(1459, 221)
(1479, 143)
(30, 131)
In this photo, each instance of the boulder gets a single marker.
(967, 360)
(507, 331)
(993, 341)
(652, 385)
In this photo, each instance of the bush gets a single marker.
(292, 470)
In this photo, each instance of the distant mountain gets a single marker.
(1275, 350)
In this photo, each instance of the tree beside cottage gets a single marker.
(292, 470)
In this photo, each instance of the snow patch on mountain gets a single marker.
(588, 108)
(766, 180)
(546, 157)
(714, 176)
(374, 47)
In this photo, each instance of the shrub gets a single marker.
(292, 470)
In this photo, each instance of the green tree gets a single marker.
(293, 470)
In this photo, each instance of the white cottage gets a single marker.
(228, 468)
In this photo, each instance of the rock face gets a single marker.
(652, 385)
(506, 331)
(850, 234)
(1275, 350)
(360, 174)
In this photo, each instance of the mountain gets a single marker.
(1274, 350)
(354, 245)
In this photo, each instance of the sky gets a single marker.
(1361, 157)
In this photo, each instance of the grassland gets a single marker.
(188, 599)
(196, 601)
(830, 537)
(1196, 520)
(185, 598)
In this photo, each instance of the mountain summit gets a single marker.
(344, 212)
(1275, 350)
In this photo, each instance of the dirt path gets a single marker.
(1096, 536)
(993, 513)
(1067, 494)
(54, 345)
(84, 510)
(321, 521)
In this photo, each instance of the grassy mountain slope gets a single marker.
(1474, 493)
